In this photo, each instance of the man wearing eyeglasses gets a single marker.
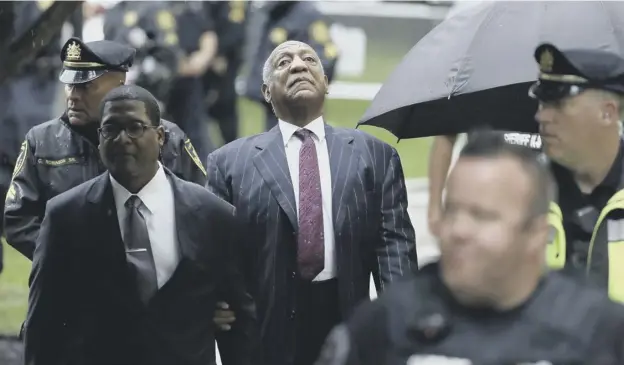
(129, 265)
(63, 153)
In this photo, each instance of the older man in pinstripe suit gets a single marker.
(325, 206)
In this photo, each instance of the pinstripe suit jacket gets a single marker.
(373, 232)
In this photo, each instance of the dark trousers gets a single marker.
(224, 108)
(318, 311)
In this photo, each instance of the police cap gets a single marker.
(84, 62)
(568, 73)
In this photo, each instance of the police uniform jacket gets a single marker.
(229, 18)
(419, 322)
(587, 229)
(55, 158)
(299, 21)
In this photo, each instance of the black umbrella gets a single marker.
(475, 68)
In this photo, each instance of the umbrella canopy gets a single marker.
(475, 67)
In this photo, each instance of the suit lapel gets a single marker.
(343, 160)
(185, 217)
(110, 248)
(272, 164)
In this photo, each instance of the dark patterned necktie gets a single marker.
(139, 250)
(310, 240)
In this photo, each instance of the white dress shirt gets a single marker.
(158, 209)
(292, 145)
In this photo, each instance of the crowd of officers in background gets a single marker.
(189, 55)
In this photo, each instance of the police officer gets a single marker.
(198, 42)
(151, 29)
(489, 299)
(63, 153)
(219, 81)
(441, 156)
(289, 20)
(581, 99)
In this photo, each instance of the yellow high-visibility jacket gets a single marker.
(606, 248)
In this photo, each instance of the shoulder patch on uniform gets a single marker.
(278, 35)
(188, 146)
(165, 20)
(319, 32)
(11, 193)
(21, 159)
(130, 18)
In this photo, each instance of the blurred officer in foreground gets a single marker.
(219, 81)
(580, 94)
(198, 43)
(62, 153)
(489, 300)
(295, 21)
(441, 158)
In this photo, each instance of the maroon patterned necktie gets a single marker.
(310, 240)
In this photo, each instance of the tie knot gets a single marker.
(303, 134)
(133, 202)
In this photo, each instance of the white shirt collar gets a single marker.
(149, 194)
(317, 126)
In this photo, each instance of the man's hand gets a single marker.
(219, 65)
(223, 316)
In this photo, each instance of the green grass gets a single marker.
(377, 68)
(13, 290)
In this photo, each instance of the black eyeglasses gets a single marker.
(133, 130)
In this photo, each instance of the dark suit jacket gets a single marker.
(84, 307)
(372, 230)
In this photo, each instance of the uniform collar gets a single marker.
(614, 176)
(317, 126)
(613, 181)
